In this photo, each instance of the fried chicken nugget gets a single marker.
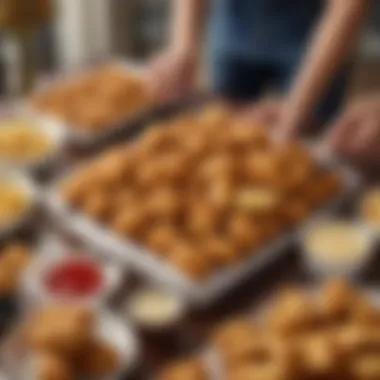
(202, 219)
(48, 366)
(320, 356)
(366, 367)
(98, 205)
(64, 330)
(220, 252)
(270, 359)
(186, 257)
(9, 281)
(16, 257)
(164, 203)
(162, 238)
(354, 340)
(99, 360)
(244, 232)
(337, 300)
(187, 370)
(292, 313)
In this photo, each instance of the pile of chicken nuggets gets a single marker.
(63, 345)
(202, 191)
(335, 335)
(95, 102)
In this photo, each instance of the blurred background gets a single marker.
(86, 31)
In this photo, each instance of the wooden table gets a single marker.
(193, 333)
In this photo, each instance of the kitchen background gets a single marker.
(86, 31)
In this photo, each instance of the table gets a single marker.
(193, 333)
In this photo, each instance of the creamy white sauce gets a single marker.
(153, 308)
(337, 242)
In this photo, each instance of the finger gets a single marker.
(363, 140)
(340, 131)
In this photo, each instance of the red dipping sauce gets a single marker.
(75, 278)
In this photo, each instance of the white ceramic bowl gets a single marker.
(51, 128)
(321, 266)
(35, 294)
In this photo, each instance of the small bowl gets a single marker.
(148, 300)
(320, 265)
(35, 293)
(51, 129)
(30, 190)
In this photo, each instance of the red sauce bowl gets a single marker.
(75, 278)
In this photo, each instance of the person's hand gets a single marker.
(356, 134)
(172, 75)
(266, 113)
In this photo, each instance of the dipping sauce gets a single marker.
(337, 242)
(370, 208)
(75, 278)
(21, 141)
(154, 308)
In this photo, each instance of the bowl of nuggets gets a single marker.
(201, 192)
(95, 102)
(331, 334)
(68, 342)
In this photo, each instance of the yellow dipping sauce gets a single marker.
(337, 242)
(21, 142)
(13, 203)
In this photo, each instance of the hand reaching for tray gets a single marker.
(171, 75)
(356, 133)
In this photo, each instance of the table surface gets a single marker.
(192, 334)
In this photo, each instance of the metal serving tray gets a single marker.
(159, 271)
(75, 136)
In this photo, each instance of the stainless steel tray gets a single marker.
(75, 136)
(161, 272)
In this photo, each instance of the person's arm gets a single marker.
(188, 24)
(174, 72)
(329, 48)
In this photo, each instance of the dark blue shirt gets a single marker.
(263, 30)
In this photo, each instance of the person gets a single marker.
(256, 43)
(356, 133)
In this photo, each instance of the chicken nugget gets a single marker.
(202, 219)
(64, 330)
(16, 257)
(48, 366)
(162, 238)
(188, 259)
(9, 281)
(337, 301)
(293, 313)
(99, 360)
(220, 252)
(192, 369)
(366, 367)
(244, 232)
(98, 205)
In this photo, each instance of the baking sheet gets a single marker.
(157, 270)
(77, 137)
